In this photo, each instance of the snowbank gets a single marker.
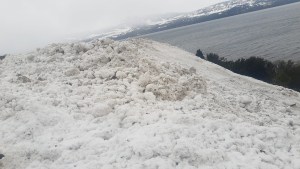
(140, 104)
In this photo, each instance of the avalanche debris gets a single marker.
(140, 104)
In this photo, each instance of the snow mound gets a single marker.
(140, 104)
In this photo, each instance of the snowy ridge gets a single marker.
(111, 34)
(163, 21)
(213, 9)
(140, 104)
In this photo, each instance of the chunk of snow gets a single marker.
(72, 72)
(101, 109)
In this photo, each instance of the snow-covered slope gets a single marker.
(140, 104)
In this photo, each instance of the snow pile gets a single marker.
(140, 104)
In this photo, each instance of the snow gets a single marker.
(140, 104)
(111, 33)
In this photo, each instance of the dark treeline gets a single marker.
(2, 57)
(283, 73)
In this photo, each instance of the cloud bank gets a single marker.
(33, 23)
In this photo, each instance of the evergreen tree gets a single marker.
(199, 53)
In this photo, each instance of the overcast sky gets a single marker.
(27, 24)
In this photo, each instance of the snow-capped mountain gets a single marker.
(217, 8)
(217, 11)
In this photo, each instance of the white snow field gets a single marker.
(140, 104)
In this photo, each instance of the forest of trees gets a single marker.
(283, 73)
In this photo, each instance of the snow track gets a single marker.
(140, 104)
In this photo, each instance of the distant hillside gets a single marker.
(217, 11)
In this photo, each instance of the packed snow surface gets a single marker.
(140, 104)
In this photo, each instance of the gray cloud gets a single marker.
(33, 23)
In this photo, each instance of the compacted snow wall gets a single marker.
(112, 105)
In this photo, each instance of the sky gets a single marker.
(28, 24)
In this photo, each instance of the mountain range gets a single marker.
(217, 11)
